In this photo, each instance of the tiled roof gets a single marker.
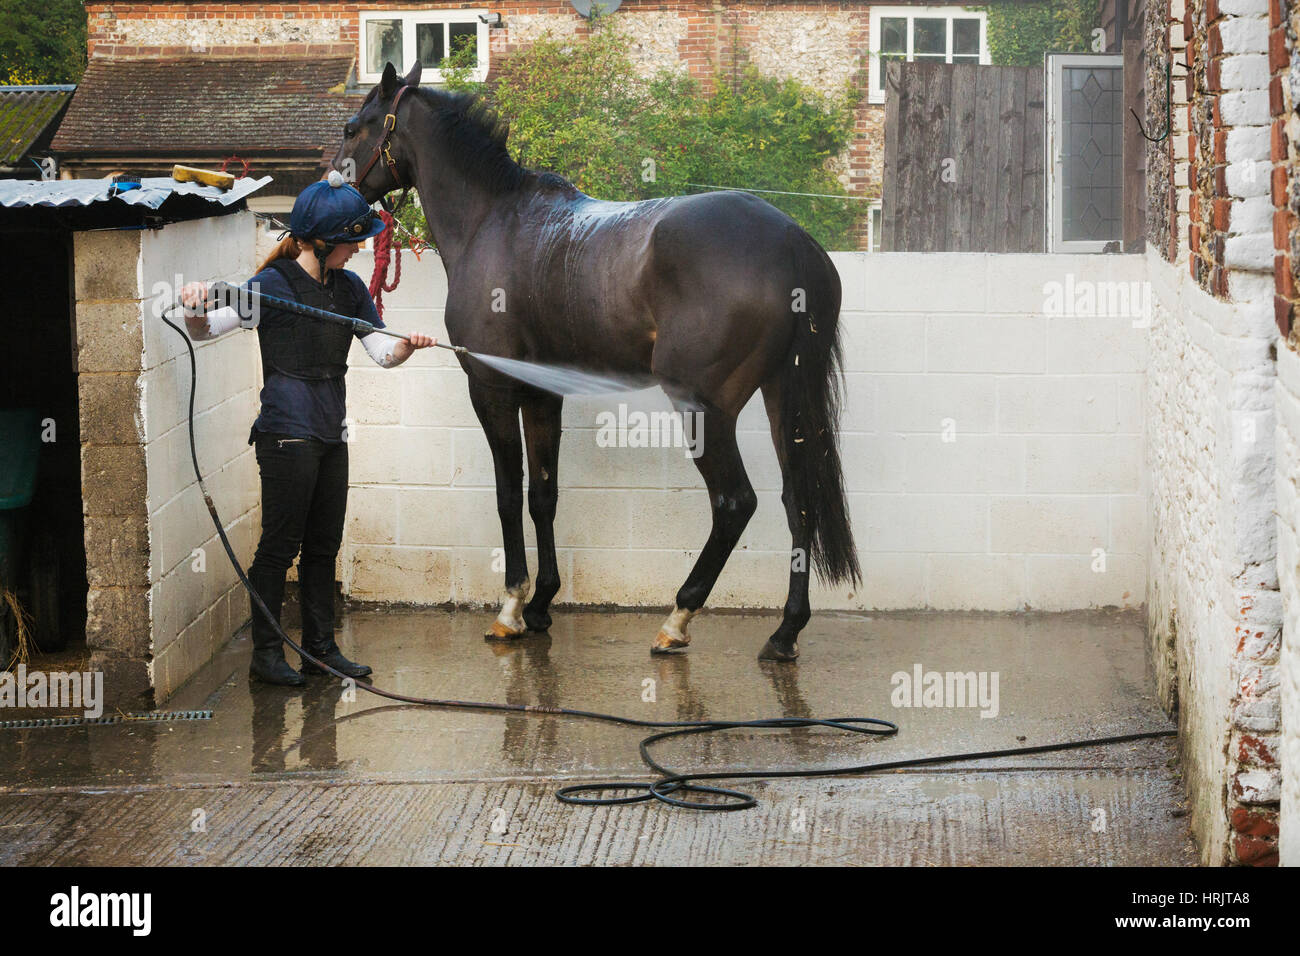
(187, 105)
(25, 113)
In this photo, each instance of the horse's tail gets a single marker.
(810, 412)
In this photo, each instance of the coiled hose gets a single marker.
(670, 782)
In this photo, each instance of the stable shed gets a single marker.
(83, 344)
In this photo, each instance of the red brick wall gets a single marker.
(1281, 154)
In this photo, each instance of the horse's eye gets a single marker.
(350, 130)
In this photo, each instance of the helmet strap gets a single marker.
(321, 255)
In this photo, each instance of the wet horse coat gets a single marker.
(712, 296)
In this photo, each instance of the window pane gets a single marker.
(893, 35)
(1091, 144)
(463, 34)
(383, 44)
(966, 59)
(965, 36)
(429, 43)
(930, 35)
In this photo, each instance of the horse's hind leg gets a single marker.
(783, 645)
(733, 502)
(498, 412)
(542, 438)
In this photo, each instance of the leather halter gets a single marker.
(382, 148)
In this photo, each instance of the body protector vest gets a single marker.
(306, 348)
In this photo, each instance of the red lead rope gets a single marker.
(386, 244)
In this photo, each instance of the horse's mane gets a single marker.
(475, 137)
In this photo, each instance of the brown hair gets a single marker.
(291, 248)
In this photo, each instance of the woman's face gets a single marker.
(341, 254)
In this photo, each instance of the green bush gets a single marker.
(580, 109)
(42, 43)
(1020, 33)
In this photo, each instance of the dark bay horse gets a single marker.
(712, 296)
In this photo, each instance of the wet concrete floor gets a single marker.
(281, 776)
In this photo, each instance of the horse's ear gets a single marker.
(388, 82)
(413, 78)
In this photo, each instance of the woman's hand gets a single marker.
(195, 297)
(404, 349)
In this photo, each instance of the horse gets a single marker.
(712, 296)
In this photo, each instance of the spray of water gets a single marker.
(561, 380)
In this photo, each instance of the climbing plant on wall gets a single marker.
(1020, 33)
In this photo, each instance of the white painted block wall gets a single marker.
(1288, 569)
(1214, 610)
(1046, 471)
(196, 601)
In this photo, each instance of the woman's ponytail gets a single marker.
(291, 248)
(287, 249)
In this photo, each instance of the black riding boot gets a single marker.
(316, 593)
(268, 664)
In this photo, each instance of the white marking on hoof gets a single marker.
(510, 622)
(673, 632)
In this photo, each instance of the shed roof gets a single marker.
(96, 203)
(172, 105)
(26, 112)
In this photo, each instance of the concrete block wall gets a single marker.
(1039, 501)
(197, 600)
(157, 609)
(1213, 606)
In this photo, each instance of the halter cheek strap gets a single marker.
(382, 149)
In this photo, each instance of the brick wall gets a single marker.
(822, 44)
(1214, 605)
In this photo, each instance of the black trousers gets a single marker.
(304, 501)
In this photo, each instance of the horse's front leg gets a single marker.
(542, 436)
(498, 412)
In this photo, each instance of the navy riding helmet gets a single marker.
(333, 211)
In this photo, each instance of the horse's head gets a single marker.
(376, 154)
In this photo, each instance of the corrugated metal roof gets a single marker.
(151, 193)
(25, 113)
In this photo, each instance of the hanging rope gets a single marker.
(387, 246)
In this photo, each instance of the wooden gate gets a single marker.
(964, 158)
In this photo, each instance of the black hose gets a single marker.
(669, 782)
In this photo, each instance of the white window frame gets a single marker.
(873, 240)
(875, 92)
(1054, 194)
(409, 21)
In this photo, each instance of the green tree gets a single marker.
(42, 43)
(582, 110)
(1019, 33)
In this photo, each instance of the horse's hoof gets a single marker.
(537, 620)
(666, 643)
(779, 652)
(499, 632)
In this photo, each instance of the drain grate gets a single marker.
(152, 717)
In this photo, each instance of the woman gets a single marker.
(299, 435)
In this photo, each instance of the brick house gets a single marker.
(1223, 601)
(205, 63)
